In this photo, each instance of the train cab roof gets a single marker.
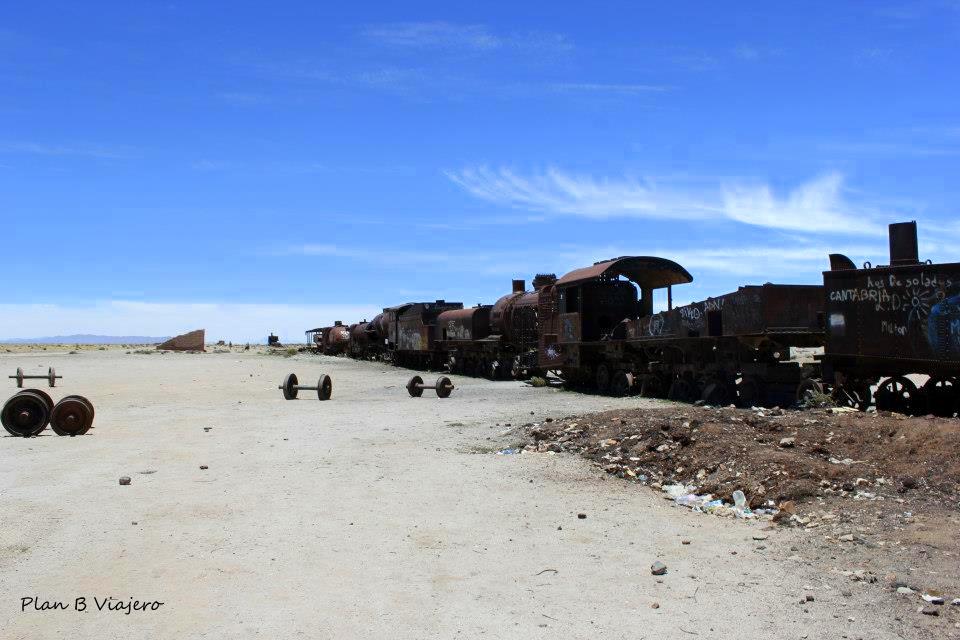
(645, 271)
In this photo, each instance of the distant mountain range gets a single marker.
(86, 339)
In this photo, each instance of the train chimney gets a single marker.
(903, 243)
(543, 279)
(519, 286)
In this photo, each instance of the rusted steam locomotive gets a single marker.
(596, 328)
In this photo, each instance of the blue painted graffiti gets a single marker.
(943, 327)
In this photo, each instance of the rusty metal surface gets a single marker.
(335, 339)
(72, 416)
(766, 310)
(903, 244)
(360, 335)
(464, 324)
(412, 330)
(570, 327)
(514, 317)
(378, 327)
(894, 319)
(646, 271)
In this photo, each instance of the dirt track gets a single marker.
(372, 515)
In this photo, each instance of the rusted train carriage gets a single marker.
(732, 348)
(886, 322)
(599, 333)
(334, 340)
(582, 318)
(496, 341)
(411, 333)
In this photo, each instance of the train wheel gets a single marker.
(715, 393)
(808, 391)
(621, 384)
(897, 394)
(602, 378)
(942, 395)
(681, 391)
(852, 395)
(750, 392)
(651, 387)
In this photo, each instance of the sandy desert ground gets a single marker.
(372, 515)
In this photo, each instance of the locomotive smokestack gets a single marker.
(519, 286)
(543, 279)
(903, 243)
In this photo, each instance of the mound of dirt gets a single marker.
(773, 456)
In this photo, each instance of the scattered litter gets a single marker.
(124, 480)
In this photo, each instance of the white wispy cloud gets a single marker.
(209, 165)
(555, 191)
(476, 38)
(787, 259)
(817, 206)
(746, 52)
(595, 87)
(226, 321)
(42, 149)
(433, 35)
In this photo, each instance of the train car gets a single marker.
(358, 346)
(496, 341)
(582, 318)
(463, 336)
(599, 333)
(411, 333)
(896, 327)
(736, 347)
(334, 340)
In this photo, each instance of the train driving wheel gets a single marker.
(602, 378)
(897, 394)
(622, 384)
(716, 393)
(854, 395)
(651, 387)
(809, 391)
(681, 390)
(750, 392)
(942, 394)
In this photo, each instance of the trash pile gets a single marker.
(685, 496)
(758, 462)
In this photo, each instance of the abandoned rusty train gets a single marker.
(596, 328)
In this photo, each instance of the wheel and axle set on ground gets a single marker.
(443, 387)
(29, 412)
(51, 377)
(291, 387)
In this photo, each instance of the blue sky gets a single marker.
(253, 167)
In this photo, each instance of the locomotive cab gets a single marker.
(589, 307)
(594, 302)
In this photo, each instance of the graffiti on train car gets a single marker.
(943, 326)
(410, 339)
(456, 330)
